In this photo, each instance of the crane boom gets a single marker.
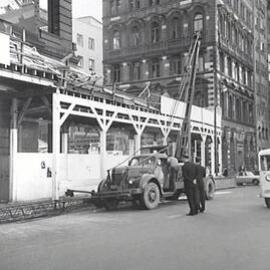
(183, 143)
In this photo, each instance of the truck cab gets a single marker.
(146, 180)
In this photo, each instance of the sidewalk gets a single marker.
(11, 212)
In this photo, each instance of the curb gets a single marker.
(27, 211)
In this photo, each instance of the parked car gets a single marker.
(247, 177)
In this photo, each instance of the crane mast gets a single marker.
(187, 89)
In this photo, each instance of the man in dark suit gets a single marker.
(189, 172)
(200, 184)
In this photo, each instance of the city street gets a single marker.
(232, 234)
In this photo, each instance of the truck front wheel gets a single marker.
(150, 196)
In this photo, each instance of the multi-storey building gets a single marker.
(149, 40)
(87, 34)
(260, 73)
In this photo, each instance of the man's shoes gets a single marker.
(192, 214)
(202, 210)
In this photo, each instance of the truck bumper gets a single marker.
(119, 195)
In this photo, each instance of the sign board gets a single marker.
(4, 49)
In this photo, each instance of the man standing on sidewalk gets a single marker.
(200, 184)
(189, 172)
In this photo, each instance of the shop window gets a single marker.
(83, 139)
(35, 136)
(120, 141)
(198, 22)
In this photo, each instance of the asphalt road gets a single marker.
(233, 234)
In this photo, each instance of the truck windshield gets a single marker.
(142, 161)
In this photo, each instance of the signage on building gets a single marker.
(4, 49)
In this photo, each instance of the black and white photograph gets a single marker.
(134, 134)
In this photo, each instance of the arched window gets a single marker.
(116, 40)
(198, 22)
(155, 32)
(175, 28)
(135, 36)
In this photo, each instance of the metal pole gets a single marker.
(13, 150)
(56, 146)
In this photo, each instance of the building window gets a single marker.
(135, 36)
(244, 81)
(238, 109)
(236, 67)
(136, 71)
(116, 73)
(154, 2)
(200, 64)
(115, 6)
(80, 40)
(137, 4)
(91, 64)
(81, 62)
(155, 32)
(155, 68)
(116, 40)
(229, 63)
(175, 28)
(198, 22)
(175, 65)
(230, 107)
(91, 44)
(221, 60)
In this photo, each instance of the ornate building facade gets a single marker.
(149, 41)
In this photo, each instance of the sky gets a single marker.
(83, 8)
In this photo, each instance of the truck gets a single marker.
(148, 178)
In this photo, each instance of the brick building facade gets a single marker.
(149, 40)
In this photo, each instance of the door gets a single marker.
(4, 149)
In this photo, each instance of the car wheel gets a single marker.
(209, 189)
(255, 182)
(150, 196)
(267, 202)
